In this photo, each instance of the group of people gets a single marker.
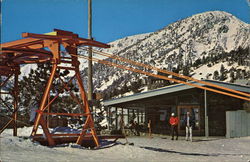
(189, 121)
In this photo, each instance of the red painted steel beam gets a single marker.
(25, 50)
(9, 70)
(22, 42)
(25, 56)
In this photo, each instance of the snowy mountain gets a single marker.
(203, 43)
(212, 45)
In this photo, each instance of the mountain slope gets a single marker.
(212, 45)
(196, 43)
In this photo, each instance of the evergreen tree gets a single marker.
(197, 63)
(33, 88)
(223, 73)
(216, 75)
(186, 71)
(238, 74)
(232, 76)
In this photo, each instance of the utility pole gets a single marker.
(90, 80)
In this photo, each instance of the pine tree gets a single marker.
(238, 74)
(223, 73)
(232, 76)
(186, 71)
(216, 75)
(33, 87)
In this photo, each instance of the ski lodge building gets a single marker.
(215, 114)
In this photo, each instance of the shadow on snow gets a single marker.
(185, 153)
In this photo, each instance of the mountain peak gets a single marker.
(191, 42)
(209, 45)
(215, 15)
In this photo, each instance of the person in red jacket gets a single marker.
(174, 121)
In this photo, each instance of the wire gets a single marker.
(158, 76)
(168, 72)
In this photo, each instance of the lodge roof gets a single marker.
(172, 89)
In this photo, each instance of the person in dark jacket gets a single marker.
(174, 121)
(189, 121)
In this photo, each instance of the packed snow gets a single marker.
(158, 148)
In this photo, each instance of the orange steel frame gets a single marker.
(31, 49)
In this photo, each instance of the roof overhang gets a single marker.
(169, 90)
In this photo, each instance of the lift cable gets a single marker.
(168, 72)
(159, 76)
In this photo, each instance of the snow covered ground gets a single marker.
(144, 149)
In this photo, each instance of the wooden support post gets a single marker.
(142, 117)
(116, 120)
(108, 117)
(15, 93)
(128, 116)
(138, 116)
(206, 116)
(144, 114)
(122, 117)
(133, 112)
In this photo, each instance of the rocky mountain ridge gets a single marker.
(210, 45)
(197, 46)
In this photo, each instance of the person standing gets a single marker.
(174, 121)
(190, 124)
(149, 129)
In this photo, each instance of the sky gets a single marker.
(112, 19)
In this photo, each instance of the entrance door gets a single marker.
(195, 111)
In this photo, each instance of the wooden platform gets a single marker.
(72, 138)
